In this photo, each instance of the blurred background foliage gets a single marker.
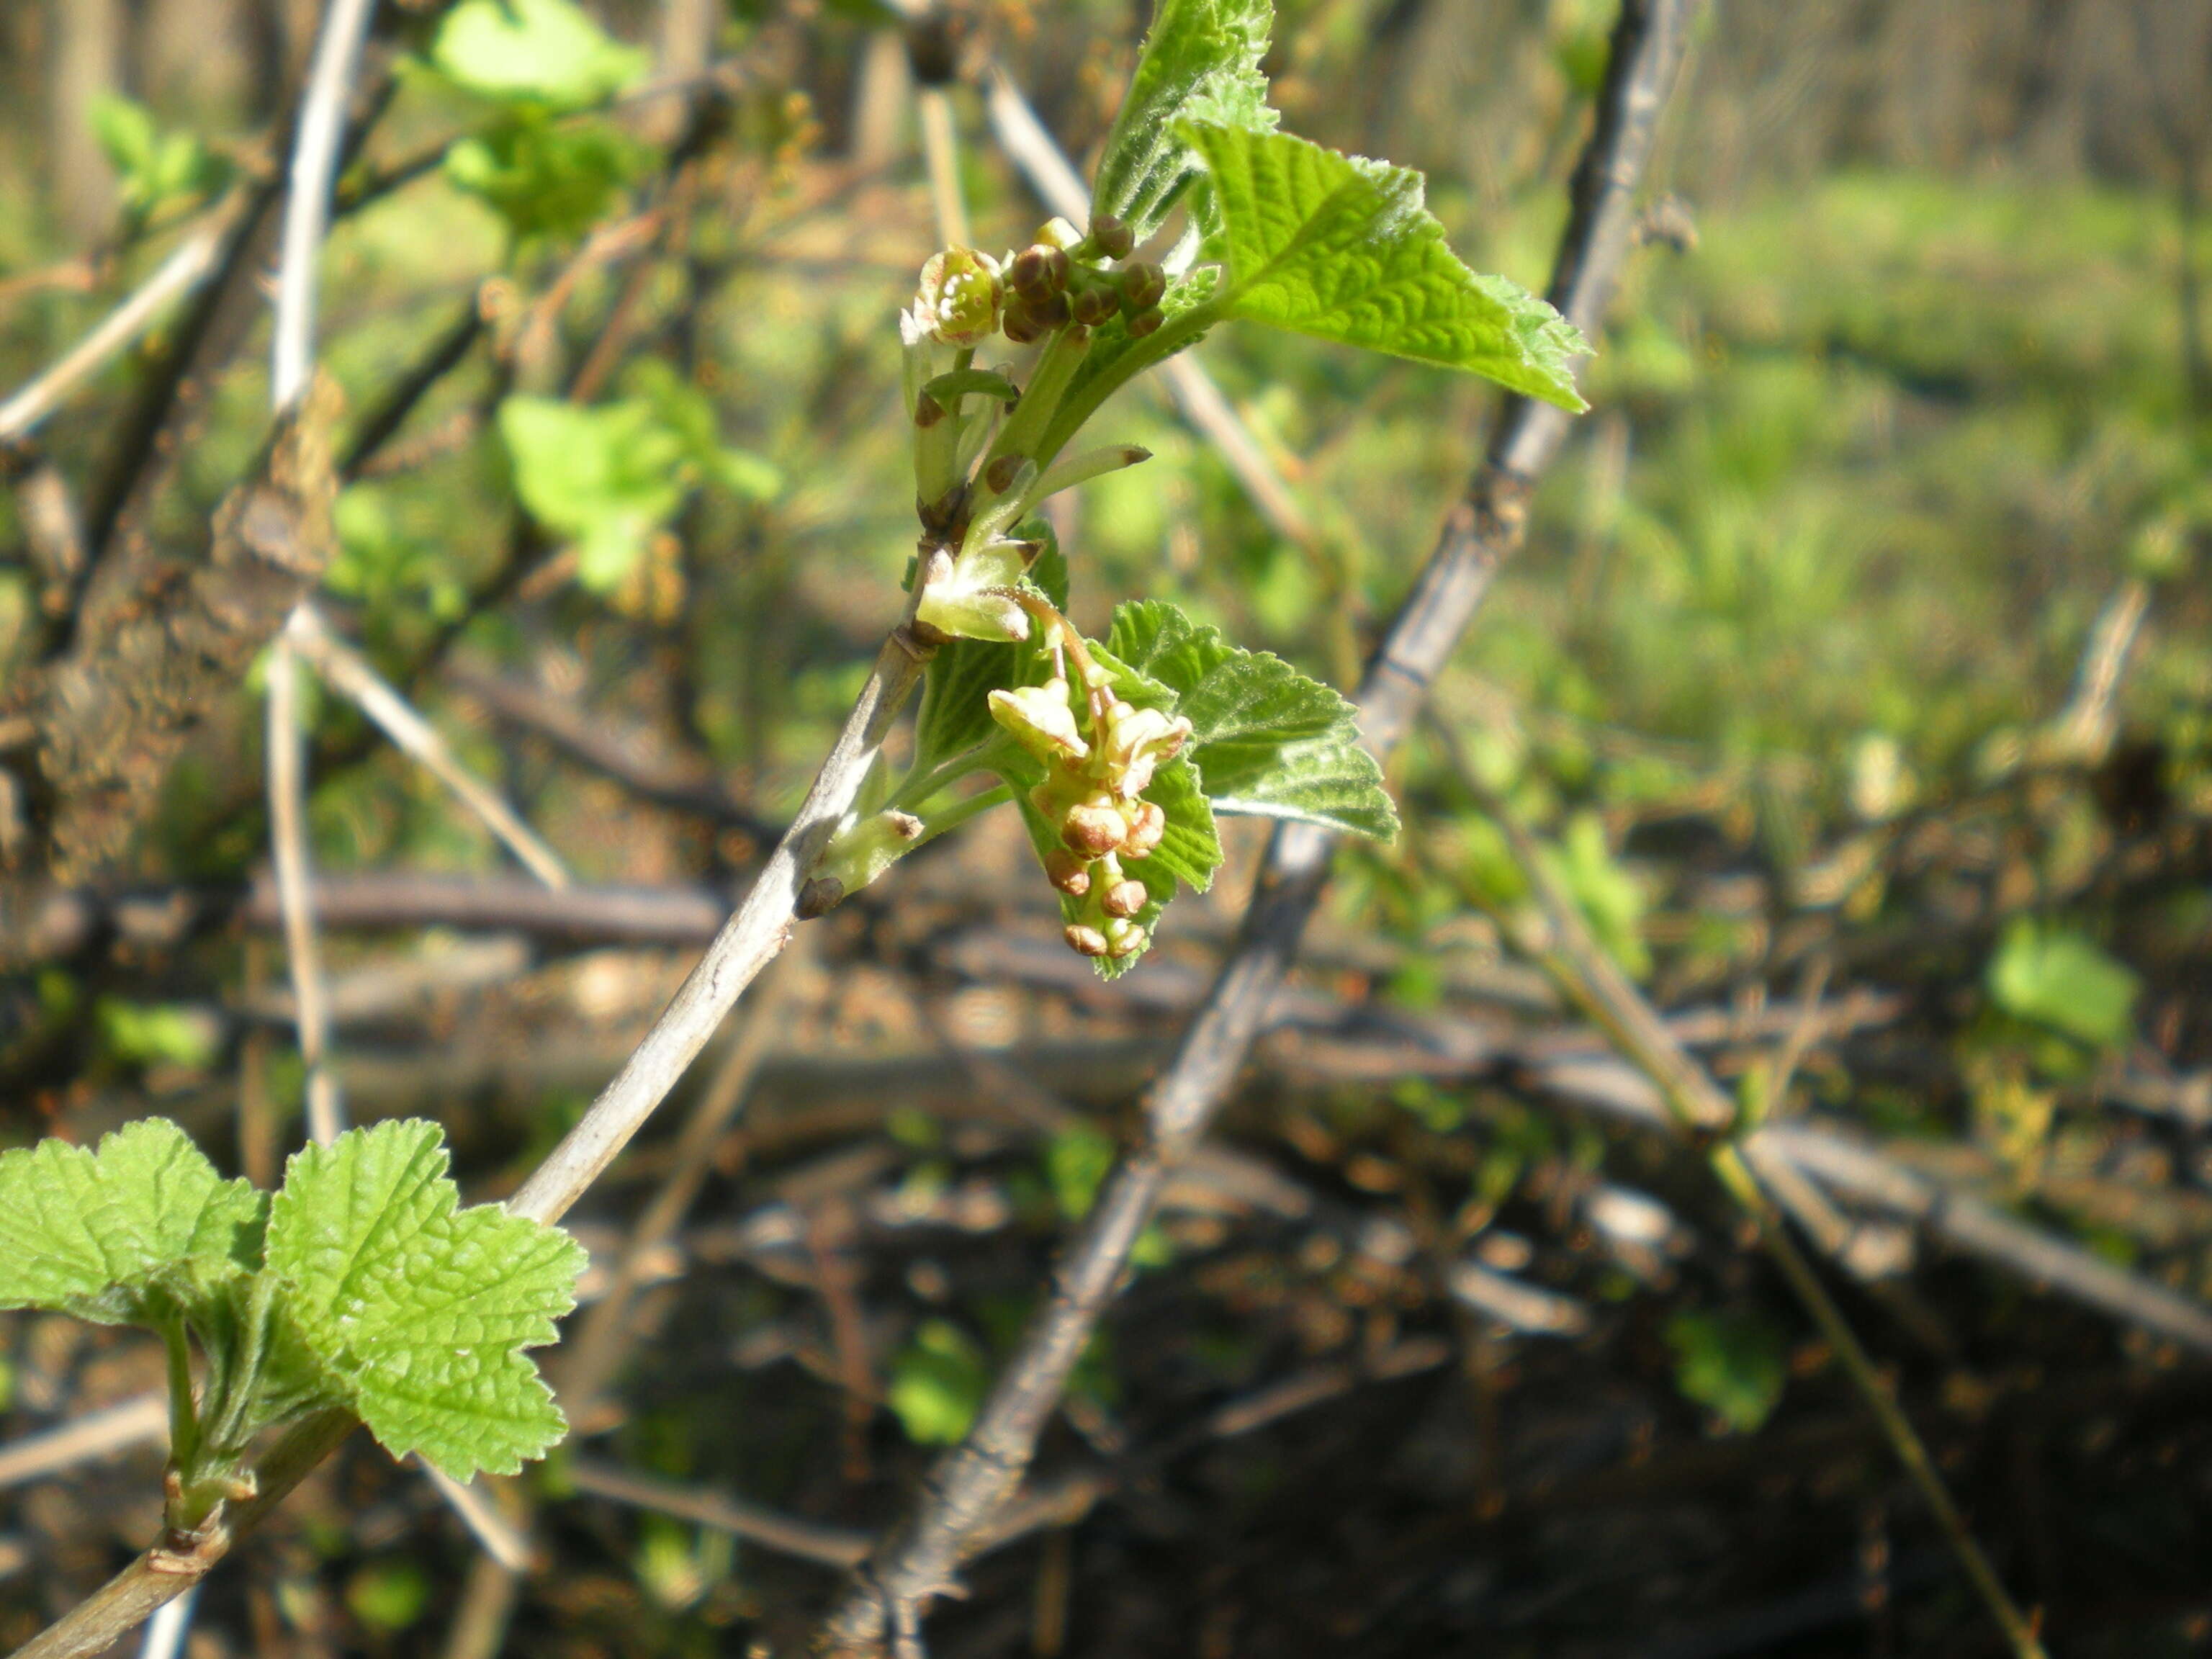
(1904, 414)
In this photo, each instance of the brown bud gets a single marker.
(821, 895)
(1092, 305)
(1092, 830)
(1111, 237)
(1039, 271)
(1069, 873)
(937, 517)
(1143, 286)
(1125, 898)
(1051, 311)
(928, 411)
(1085, 941)
(999, 476)
(1021, 324)
(1148, 827)
(1144, 323)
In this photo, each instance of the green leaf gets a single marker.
(1608, 895)
(1733, 1366)
(133, 1233)
(684, 410)
(956, 689)
(1341, 248)
(2058, 979)
(1201, 61)
(605, 477)
(416, 1309)
(1268, 741)
(543, 52)
(125, 131)
(544, 178)
(937, 1384)
(1076, 1162)
(151, 167)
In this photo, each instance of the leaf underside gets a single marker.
(1201, 61)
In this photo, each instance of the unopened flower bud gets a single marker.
(1143, 285)
(957, 303)
(1092, 305)
(1125, 898)
(1053, 310)
(1058, 233)
(1085, 941)
(1144, 323)
(1125, 939)
(1110, 236)
(1022, 325)
(1040, 720)
(1039, 271)
(1093, 828)
(1069, 873)
(1136, 741)
(1148, 827)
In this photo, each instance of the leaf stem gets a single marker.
(184, 1440)
(1070, 417)
(934, 824)
(1033, 417)
(916, 788)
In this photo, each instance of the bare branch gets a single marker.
(184, 269)
(288, 839)
(347, 672)
(308, 199)
(747, 942)
(107, 1433)
(832, 1546)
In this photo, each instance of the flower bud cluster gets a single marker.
(1093, 797)
(966, 296)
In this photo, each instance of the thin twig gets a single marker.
(671, 783)
(591, 1356)
(106, 1433)
(978, 1477)
(502, 1541)
(832, 1546)
(941, 149)
(488, 1599)
(163, 1573)
(184, 269)
(287, 840)
(348, 672)
(747, 942)
(308, 199)
(2084, 728)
